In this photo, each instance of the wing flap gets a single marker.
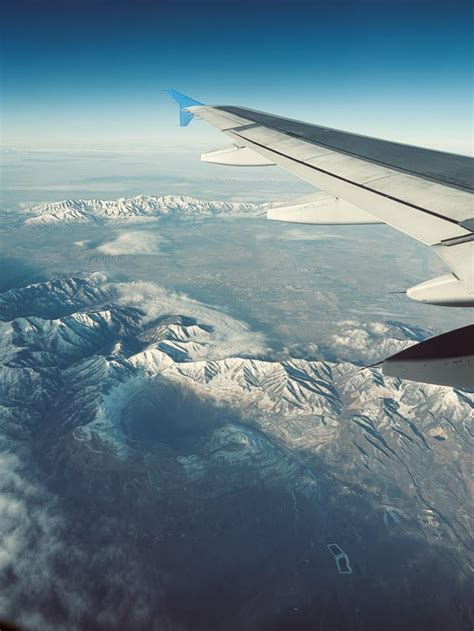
(236, 156)
(321, 209)
(449, 203)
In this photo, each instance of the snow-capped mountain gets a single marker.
(136, 208)
(105, 355)
(138, 402)
(78, 318)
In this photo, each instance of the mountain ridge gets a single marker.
(140, 207)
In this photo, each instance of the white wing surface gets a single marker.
(424, 193)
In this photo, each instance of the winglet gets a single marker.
(184, 102)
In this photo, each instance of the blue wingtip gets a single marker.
(183, 101)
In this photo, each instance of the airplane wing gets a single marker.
(425, 194)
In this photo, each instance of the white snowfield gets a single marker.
(137, 208)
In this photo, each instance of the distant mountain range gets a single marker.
(140, 207)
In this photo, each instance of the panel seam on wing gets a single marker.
(348, 181)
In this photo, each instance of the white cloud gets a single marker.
(47, 577)
(372, 341)
(230, 336)
(131, 243)
(31, 541)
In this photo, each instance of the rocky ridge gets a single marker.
(137, 208)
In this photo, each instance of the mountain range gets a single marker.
(137, 208)
(116, 386)
(72, 332)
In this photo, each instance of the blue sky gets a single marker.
(93, 72)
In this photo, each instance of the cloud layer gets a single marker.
(32, 542)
